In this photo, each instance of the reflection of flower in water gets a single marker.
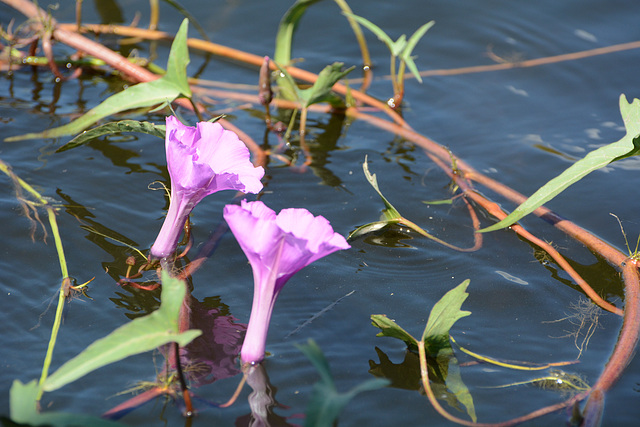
(212, 355)
(262, 400)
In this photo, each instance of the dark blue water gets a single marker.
(521, 126)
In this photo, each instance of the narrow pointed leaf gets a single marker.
(284, 42)
(286, 29)
(165, 89)
(138, 336)
(411, 44)
(114, 127)
(382, 36)
(398, 46)
(629, 145)
(390, 211)
(178, 61)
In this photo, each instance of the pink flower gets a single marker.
(201, 161)
(277, 246)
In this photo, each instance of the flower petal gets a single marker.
(229, 159)
(277, 246)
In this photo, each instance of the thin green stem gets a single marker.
(362, 42)
(394, 78)
(61, 299)
(19, 182)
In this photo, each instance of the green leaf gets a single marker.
(382, 36)
(442, 317)
(164, 90)
(411, 44)
(398, 46)
(23, 401)
(284, 42)
(286, 29)
(321, 89)
(629, 145)
(326, 402)
(23, 407)
(138, 336)
(114, 127)
(391, 329)
(390, 212)
(288, 87)
(369, 228)
(436, 340)
(178, 61)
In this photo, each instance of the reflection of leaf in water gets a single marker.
(585, 319)
(444, 371)
(404, 375)
(389, 238)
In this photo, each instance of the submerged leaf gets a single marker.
(165, 89)
(326, 402)
(138, 336)
(629, 145)
(442, 364)
(114, 127)
(369, 228)
(456, 386)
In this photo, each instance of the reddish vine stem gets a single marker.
(238, 55)
(624, 349)
(496, 211)
(116, 61)
(631, 327)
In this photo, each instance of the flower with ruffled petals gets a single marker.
(201, 161)
(277, 246)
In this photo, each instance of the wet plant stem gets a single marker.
(362, 43)
(61, 299)
(20, 183)
(183, 384)
(624, 349)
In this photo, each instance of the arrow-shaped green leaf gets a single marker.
(628, 146)
(138, 336)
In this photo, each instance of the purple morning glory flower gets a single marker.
(201, 161)
(277, 246)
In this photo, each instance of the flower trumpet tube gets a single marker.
(277, 246)
(201, 160)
